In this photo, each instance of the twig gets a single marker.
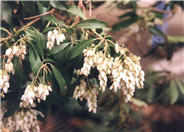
(23, 28)
(29, 24)
(90, 8)
(80, 4)
(43, 14)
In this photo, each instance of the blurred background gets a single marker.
(154, 31)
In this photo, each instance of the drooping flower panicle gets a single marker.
(124, 71)
(4, 81)
(33, 92)
(24, 120)
(84, 91)
(54, 36)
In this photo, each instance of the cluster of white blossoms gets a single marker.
(20, 52)
(33, 92)
(88, 92)
(100, 61)
(55, 35)
(24, 121)
(4, 81)
(123, 71)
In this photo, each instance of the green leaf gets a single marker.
(58, 48)
(125, 23)
(180, 85)
(76, 11)
(175, 39)
(38, 38)
(138, 102)
(34, 60)
(49, 60)
(53, 20)
(48, 29)
(59, 78)
(58, 5)
(63, 55)
(128, 14)
(173, 92)
(156, 32)
(29, 6)
(78, 48)
(91, 24)
(43, 6)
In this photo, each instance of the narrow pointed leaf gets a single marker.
(91, 24)
(76, 11)
(58, 48)
(59, 78)
(78, 48)
(180, 86)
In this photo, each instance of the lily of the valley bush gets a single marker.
(61, 62)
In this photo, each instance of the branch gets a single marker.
(80, 4)
(38, 16)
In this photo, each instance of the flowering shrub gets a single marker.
(74, 60)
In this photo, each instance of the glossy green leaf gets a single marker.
(58, 5)
(63, 55)
(49, 60)
(175, 39)
(138, 102)
(125, 23)
(48, 29)
(38, 38)
(128, 14)
(43, 6)
(173, 92)
(53, 20)
(29, 6)
(78, 48)
(59, 78)
(34, 60)
(58, 48)
(91, 24)
(180, 85)
(76, 11)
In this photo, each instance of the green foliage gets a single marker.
(160, 87)
(76, 50)
(64, 59)
(91, 24)
(123, 24)
(34, 60)
(58, 5)
(58, 48)
(60, 80)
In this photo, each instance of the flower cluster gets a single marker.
(24, 121)
(4, 81)
(126, 75)
(33, 92)
(89, 92)
(55, 35)
(124, 71)
(19, 51)
(100, 61)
